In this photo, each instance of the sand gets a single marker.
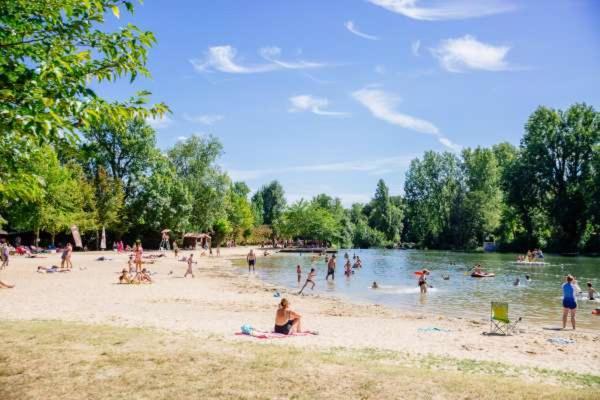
(221, 298)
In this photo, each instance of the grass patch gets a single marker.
(54, 360)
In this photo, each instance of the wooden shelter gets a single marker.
(192, 239)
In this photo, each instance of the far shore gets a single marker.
(219, 300)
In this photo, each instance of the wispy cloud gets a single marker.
(382, 105)
(159, 123)
(224, 59)
(464, 53)
(381, 165)
(416, 47)
(354, 29)
(181, 138)
(207, 119)
(445, 10)
(316, 105)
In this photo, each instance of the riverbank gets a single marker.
(212, 307)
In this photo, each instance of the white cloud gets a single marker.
(352, 28)
(223, 59)
(382, 165)
(382, 105)
(415, 47)
(445, 10)
(181, 138)
(207, 119)
(313, 104)
(159, 123)
(460, 54)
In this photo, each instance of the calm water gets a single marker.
(538, 301)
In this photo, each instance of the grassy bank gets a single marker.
(54, 360)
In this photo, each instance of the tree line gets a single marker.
(69, 156)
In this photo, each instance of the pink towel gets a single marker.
(274, 335)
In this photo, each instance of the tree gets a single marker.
(558, 150)
(270, 202)
(385, 216)
(51, 53)
(430, 189)
(239, 212)
(195, 163)
(125, 151)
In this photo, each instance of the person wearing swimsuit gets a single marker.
(286, 320)
(331, 268)
(251, 258)
(138, 251)
(423, 281)
(569, 300)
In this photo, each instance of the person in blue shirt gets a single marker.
(569, 300)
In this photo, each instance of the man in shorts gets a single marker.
(331, 268)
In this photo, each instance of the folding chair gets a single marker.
(499, 321)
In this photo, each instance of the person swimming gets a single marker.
(527, 278)
(517, 281)
(374, 285)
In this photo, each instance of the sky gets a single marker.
(330, 96)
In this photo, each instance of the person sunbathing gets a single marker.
(286, 321)
(144, 276)
(51, 270)
(4, 285)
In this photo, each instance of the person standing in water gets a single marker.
(569, 300)
(331, 268)
(423, 281)
(299, 273)
(251, 259)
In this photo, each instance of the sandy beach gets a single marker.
(220, 299)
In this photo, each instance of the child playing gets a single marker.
(591, 291)
(299, 273)
(309, 279)
(190, 261)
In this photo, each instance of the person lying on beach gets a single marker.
(102, 258)
(591, 291)
(154, 256)
(52, 269)
(189, 271)
(286, 321)
(4, 285)
(310, 279)
(374, 285)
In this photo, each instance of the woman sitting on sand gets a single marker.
(286, 320)
(124, 278)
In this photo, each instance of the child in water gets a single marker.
(591, 291)
(423, 281)
(299, 272)
(374, 285)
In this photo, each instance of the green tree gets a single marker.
(269, 201)
(384, 215)
(239, 212)
(558, 151)
(195, 163)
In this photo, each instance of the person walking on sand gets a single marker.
(189, 271)
(309, 279)
(569, 300)
(138, 251)
(331, 268)
(251, 259)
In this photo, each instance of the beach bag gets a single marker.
(247, 329)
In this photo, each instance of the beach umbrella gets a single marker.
(103, 240)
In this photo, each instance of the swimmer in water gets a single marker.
(517, 281)
(527, 278)
(374, 285)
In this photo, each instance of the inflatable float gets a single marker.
(596, 311)
(482, 275)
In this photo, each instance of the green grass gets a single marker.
(54, 360)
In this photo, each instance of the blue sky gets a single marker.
(330, 96)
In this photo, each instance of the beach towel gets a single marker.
(433, 329)
(559, 340)
(274, 335)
